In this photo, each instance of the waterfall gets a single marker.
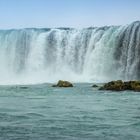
(79, 55)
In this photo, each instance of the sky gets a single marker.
(67, 13)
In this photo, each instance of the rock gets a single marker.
(94, 86)
(131, 85)
(54, 86)
(113, 85)
(23, 87)
(63, 84)
(137, 88)
(121, 86)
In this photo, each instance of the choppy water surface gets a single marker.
(41, 112)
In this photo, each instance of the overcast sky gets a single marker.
(67, 13)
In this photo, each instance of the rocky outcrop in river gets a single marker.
(121, 86)
(63, 84)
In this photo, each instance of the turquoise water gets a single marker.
(41, 112)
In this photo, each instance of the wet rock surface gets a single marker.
(95, 86)
(121, 86)
(62, 83)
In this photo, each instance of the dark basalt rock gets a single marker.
(23, 87)
(121, 86)
(137, 88)
(113, 85)
(94, 86)
(63, 84)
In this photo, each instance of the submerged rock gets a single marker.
(121, 86)
(63, 84)
(23, 87)
(94, 86)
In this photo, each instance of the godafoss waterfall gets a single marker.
(32, 59)
(84, 55)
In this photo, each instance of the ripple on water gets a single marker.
(80, 113)
(6, 117)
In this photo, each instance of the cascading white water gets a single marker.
(84, 55)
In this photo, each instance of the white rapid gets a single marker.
(31, 56)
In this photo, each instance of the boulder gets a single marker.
(94, 86)
(63, 84)
(23, 87)
(131, 85)
(121, 86)
(113, 85)
(137, 88)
